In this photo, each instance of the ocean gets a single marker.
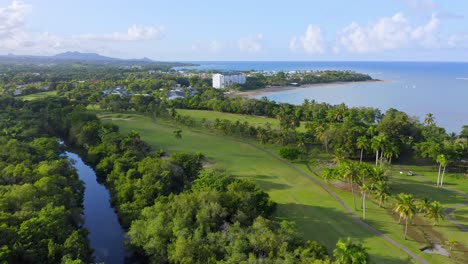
(417, 88)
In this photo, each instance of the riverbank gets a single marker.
(274, 89)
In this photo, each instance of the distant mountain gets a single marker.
(75, 56)
(78, 56)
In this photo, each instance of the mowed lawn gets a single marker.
(317, 215)
(198, 115)
(36, 96)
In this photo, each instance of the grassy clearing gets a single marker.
(36, 96)
(198, 115)
(422, 232)
(317, 215)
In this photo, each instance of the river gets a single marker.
(106, 236)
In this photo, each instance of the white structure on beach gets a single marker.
(221, 81)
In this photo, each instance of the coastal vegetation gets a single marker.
(262, 80)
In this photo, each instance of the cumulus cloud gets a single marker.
(252, 43)
(388, 33)
(311, 42)
(12, 25)
(134, 33)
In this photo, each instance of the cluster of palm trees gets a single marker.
(371, 180)
(384, 149)
(406, 206)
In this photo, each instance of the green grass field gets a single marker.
(317, 215)
(36, 96)
(198, 115)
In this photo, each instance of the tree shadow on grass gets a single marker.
(265, 182)
(327, 225)
(421, 190)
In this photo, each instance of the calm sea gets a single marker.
(417, 88)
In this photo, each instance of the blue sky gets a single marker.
(383, 30)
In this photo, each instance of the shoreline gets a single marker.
(274, 89)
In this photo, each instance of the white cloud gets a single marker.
(12, 25)
(252, 43)
(388, 33)
(134, 33)
(427, 34)
(215, 46)
(311, 42)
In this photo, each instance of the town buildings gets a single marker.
(224, 80)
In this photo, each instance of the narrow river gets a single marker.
(106, 236)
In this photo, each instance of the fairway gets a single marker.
(317, 214)
(36, 96)
(199, 115)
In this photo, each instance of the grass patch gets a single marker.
(36, 96)
(199, 115)
(317, 215)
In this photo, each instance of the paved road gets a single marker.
(341, 202)
(449, 210)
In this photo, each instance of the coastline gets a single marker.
(274, 89)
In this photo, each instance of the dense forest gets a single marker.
(40, 193)
(176, 211)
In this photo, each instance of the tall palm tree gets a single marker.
(441, 160)
(435, 212)
(348, 252)
(377, 144)
(444, 163)
(405, 208)
(382, 191)
(429, 119)
(351, 173)
(361, 144)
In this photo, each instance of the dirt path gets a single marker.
(449, 210)
(342, 203)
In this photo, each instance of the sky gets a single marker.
(187, 30)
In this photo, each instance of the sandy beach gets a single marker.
(274, 89)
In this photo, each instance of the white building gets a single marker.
(221, 81)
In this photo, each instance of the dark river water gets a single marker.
(106, 236)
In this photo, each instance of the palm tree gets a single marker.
(361, 144)
(262, 135)
(423, 205)
(347, 252)
(378, 143)
(444, 163)
(405, 208)
(441, 160)
(351, 172)
(338, 156)
(364, 188)
(429, 119)
(382, 191)
(451, 243)
(435, 211)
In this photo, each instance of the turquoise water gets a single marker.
(417, 88)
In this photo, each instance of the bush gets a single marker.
(289, 153)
